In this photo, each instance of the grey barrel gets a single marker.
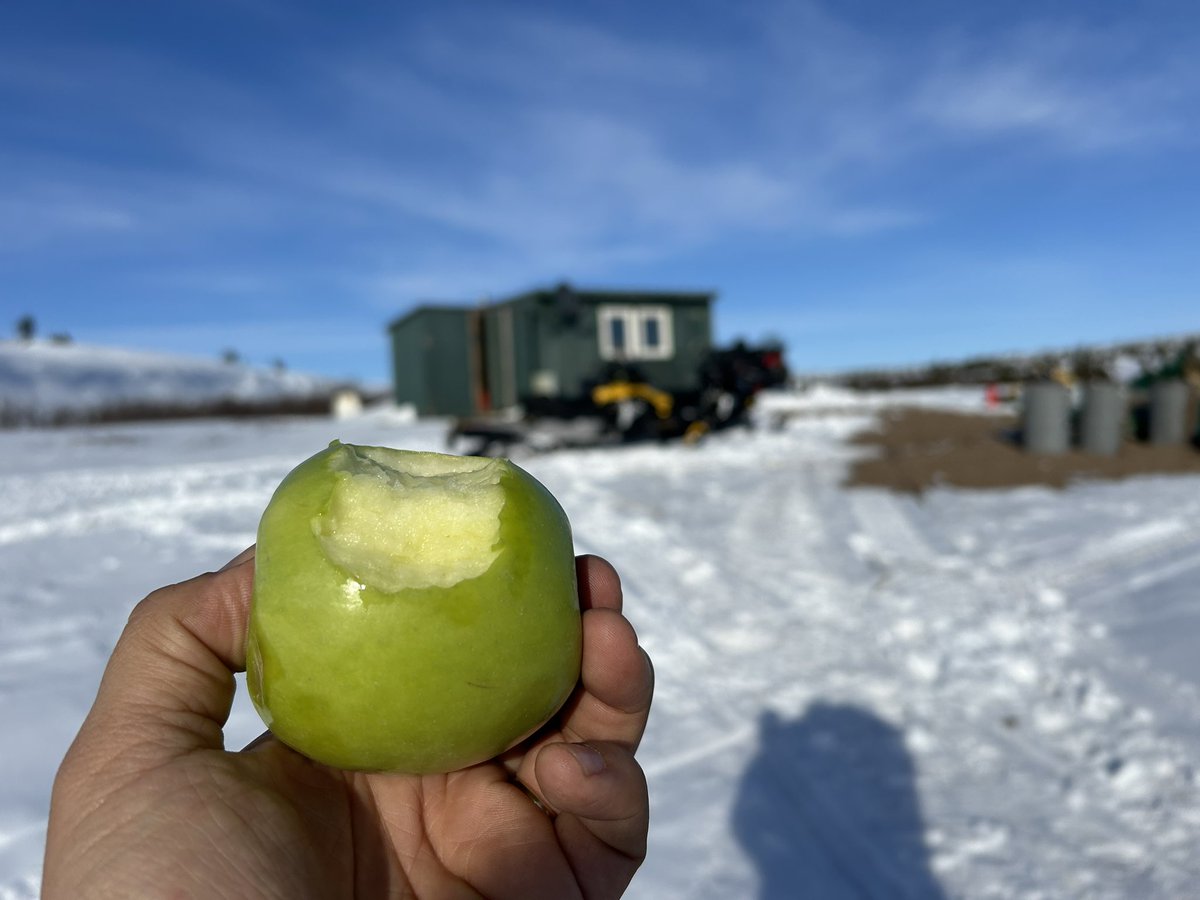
(1046, 418)
(1168, 412)
(1102, 419)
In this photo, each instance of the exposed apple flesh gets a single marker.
(412, 612)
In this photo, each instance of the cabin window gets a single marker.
(616, 334)
(629, 332)
(650, 336)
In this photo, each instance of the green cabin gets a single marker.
(554, 344)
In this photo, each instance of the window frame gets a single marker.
(633, 319)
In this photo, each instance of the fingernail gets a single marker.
(246, 554)
(590, 761)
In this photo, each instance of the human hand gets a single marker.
(148, 803)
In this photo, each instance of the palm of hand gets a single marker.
(268, 822)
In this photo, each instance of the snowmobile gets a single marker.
(622, 406)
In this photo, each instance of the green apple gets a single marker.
(412, 612)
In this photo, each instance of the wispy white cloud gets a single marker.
(1079, 90)
(457, 153)
(858, 221)
(30, 221)
(800, 136)
(552, 56)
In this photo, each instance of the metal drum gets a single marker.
(1046, 418)
(1102, 421)
(1168, 412)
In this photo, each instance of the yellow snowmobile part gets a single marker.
(618, 391)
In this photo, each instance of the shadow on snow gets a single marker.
(828, 809)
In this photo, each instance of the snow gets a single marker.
(974, 694)
(43, 381)
(823, 397)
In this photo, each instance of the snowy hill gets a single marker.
(48, 383)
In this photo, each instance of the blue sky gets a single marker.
(874, 182)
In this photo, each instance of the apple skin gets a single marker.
(417, 680)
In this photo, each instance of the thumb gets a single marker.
(168, 686)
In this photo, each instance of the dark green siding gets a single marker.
(432, 361)
(569, 349)
(457, 361)
(407, 370)
(693, 341)
(550, 336)
(499, 335)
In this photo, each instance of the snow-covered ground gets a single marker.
(824, 398)
(985, 695)
(41, 381)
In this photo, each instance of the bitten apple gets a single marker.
(412, 612)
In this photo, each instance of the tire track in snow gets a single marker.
(162, 501)
(770, 614)
(1088, 770)
(1092, 567)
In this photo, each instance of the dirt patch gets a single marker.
(920, 448)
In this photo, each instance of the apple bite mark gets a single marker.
(400, 519)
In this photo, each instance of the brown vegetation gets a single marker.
(919, 448)
(151, 412)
